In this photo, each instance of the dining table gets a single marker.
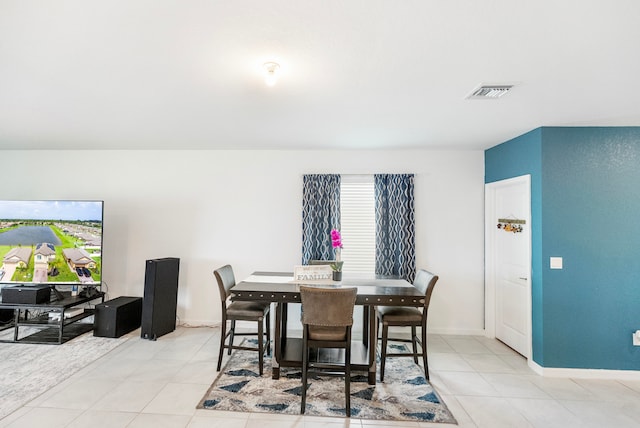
(281, 289)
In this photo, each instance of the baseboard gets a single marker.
(584, 373)
(199, 323)
(457, 332)
(294, 331)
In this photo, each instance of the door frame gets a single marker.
(489, 251)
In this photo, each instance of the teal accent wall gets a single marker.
(587, 205)
(522, 156)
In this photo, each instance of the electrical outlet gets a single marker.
(636, 338)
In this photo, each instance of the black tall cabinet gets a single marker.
(160, 297)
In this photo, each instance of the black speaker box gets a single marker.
(27, 294)
(117, 317)
(160, 297)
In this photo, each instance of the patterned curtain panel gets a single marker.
(320, 214)
(395, 226)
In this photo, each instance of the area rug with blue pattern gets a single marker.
(405, 394)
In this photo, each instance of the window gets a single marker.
(375, 215)
(358, 227)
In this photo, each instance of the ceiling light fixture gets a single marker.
(271, 73)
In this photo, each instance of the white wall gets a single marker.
(210, 208)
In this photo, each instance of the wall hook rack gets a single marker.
(511, 224)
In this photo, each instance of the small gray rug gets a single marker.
(28, 370)
(405, 394)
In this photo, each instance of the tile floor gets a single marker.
(158, 384)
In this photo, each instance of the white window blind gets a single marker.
(358, 228)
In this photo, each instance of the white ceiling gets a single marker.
(376, 74)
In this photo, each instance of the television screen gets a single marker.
(56, 242)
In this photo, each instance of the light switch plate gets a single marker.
(555, 262)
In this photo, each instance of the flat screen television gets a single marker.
(52, 242)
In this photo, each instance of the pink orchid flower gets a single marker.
(336, 239)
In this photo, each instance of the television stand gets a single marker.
(58, 294)
(51, 331)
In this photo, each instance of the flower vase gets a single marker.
(337, 275)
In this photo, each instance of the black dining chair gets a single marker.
(406, 316)
(327, 318)
(241, 311)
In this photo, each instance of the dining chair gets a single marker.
(241, 311)
(407, 316)
(327, 318)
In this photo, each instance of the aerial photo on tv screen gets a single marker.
(51, 241)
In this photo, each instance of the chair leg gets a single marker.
(347, 381)
(383, 353)
(223, 336)
(268, 321)
(414, 339)
(424, 351)
(305, 366)
(260, 346)
(231, 334)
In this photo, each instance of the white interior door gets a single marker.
(509, 262)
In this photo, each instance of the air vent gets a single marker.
(489, 92)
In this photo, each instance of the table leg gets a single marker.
(365, 326)
(277, 342)
(373, 343)
(61, 327)
(16, 320)
(285, 321)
